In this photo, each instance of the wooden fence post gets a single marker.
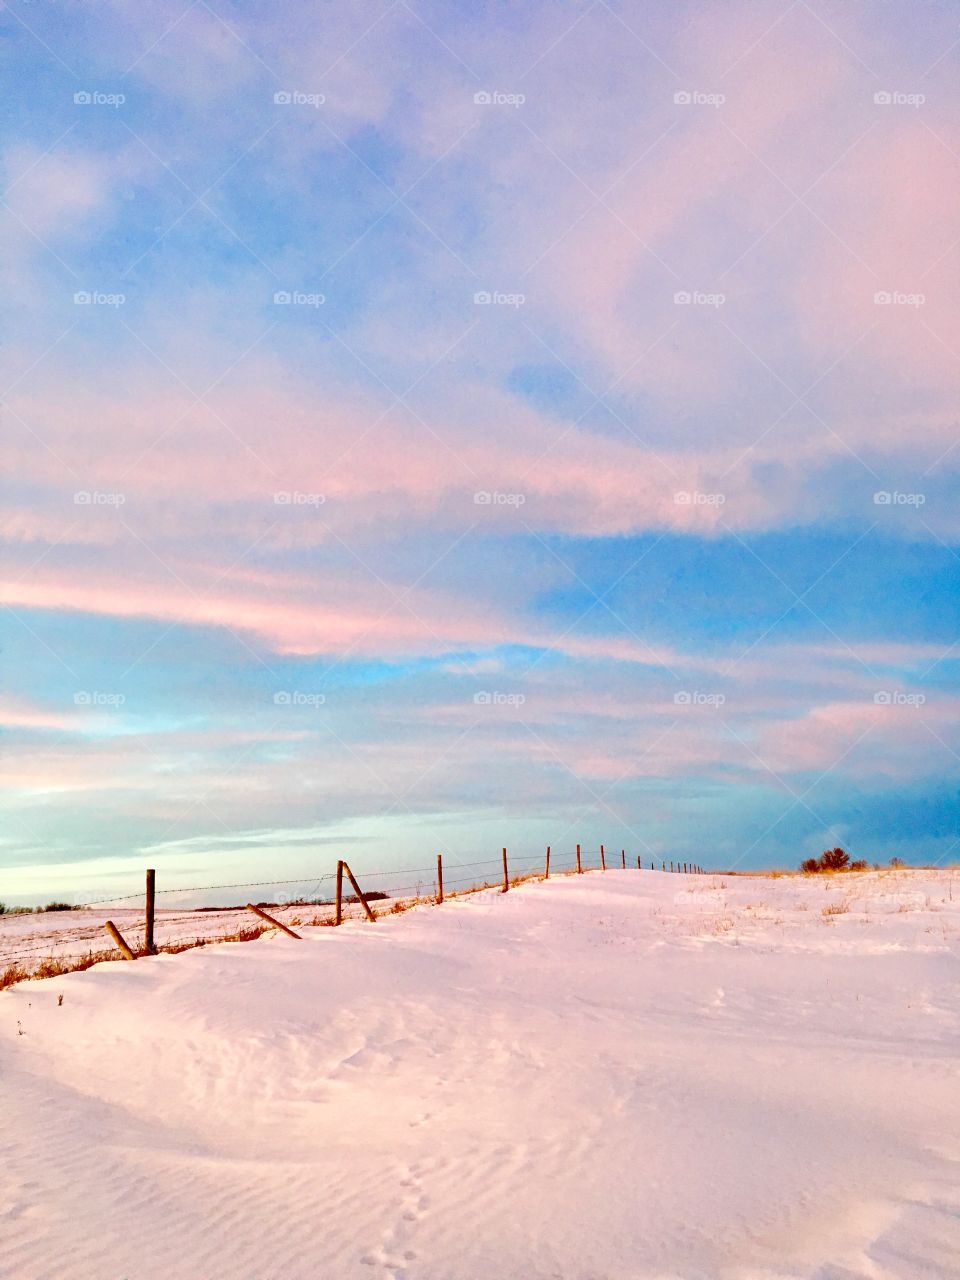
(671, 864)
(439, 877)
(356, 889)
(651, 864)
(148, 944)
(270, 920)
(623, 859)
(579, 868)
(639, 868)
(603, 861)
(117, 936)
(506, 877)
(663, 866)
(339, 917)
(546, 870)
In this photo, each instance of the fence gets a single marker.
(137, 931)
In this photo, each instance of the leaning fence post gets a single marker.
(148, 944)
(603, 861)
(439, 877)
(579, 868)
(546, 870)
(356, 889)
(339, 919)
(506, 877)
(270, 920)
(117, 936)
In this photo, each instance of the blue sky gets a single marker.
(433, 426)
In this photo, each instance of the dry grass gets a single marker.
(835, 909)
(56, 966)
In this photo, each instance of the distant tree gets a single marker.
(896, 862)
(861, 864)
(834, 860)
(810, 866)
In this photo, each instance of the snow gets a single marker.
(626, 1075)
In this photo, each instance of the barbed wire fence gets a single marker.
(141, 929)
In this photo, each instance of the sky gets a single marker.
(430, 427)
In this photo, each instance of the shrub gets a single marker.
(834, 860)
(896, 862)
(58, 906)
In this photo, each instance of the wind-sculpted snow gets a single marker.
(626, 1075)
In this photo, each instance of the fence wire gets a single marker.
(214, 923)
